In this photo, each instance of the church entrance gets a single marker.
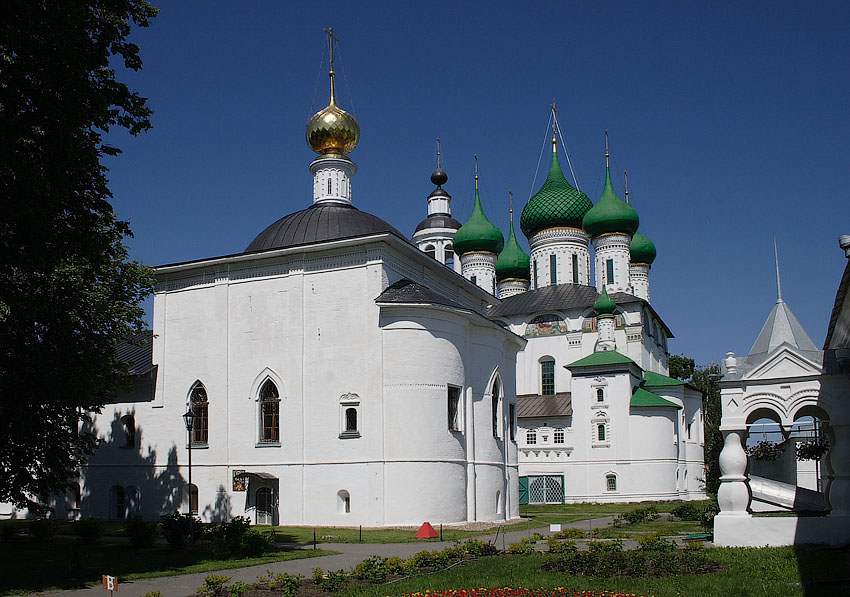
(265, 514)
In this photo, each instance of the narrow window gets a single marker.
(690, 429)
(600, 432)
(270, 412)
(575, 269)
(193, 499)
(547, 378)
(531, 437)
(343, 502)
(329, 186)
(600, 395)
(129, 430)
(495, 404)
(553, 269)
(430, 251)
(609, 266)
(454, 408)
(474, 280)
(118, 509)
(558, 436)
(200, 406)
(351, 419)
(76, 496)
(534, 273)
(450, 256)
(512, 416)
(611, 482)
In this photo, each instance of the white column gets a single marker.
(605, 325)
(332, 178)
(639, 280)
(481, 266)
(733, 497)
(613, 246)
(511, 287)
(563, 243)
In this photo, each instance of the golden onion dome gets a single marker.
(332, 129)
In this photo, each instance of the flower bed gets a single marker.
(520, 592)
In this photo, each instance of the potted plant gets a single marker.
(812, 449)
(765, 450)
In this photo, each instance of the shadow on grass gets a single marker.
(823, 570)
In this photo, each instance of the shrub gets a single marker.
(640, 515)
(227, 537)
(330, 582)
(633, 564)
(41, 529)
(153, 594)
(175, 528)
(288, 585)
(654, 543)
(255, 543)
(475, 548)
(238, 589)
(89, 530)
(141, 533)
(561, 547)
(686, 511)
(213, 584)
(707, 515)
(571, 533)
(8, 531)
(523, 547)
(373, 569)
(605, 547)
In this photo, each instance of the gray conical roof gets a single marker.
(781, 327)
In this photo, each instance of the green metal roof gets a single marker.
(478, 234)
(657, 380)
(642, 250)
(610, 214)
(603, 357)
(557, 203)
(512, 261)
(604, 305)
(645, 398)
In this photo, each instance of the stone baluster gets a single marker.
(839, 467)
(733, 497)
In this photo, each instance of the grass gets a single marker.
(752, 572)
(64, 563)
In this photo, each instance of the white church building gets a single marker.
(598, 417)
(339, 374)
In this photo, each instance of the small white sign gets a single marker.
(554, 528)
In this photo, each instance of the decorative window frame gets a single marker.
(611, 475)
(542, 361)
(599, 383)
(457, 427)
(601, 418)
(255, 395)
(190, 405)
(261, 441)
(347, 401)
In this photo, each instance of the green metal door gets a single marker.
(523, 491)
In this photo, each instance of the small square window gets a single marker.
(531, 437)
(559, 436)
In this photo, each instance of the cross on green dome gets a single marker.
(512, 262)
(478, 234)
(557, 203)
(610, 214)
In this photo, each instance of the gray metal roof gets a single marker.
(320, 223)
(781, 327)
(533, 406)
(409, 292)
(438, 221)
(555, 298)
(137, 353)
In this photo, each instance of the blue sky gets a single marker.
(732, 120)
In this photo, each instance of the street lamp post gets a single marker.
(189, 419)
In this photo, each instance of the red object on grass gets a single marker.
(426, 531)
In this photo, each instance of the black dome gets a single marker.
(438, 221)
(319, 223)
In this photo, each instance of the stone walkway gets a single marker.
(350, 555)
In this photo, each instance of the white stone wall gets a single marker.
(332, 179)
(639, 280)
(511, 287)
(440, 239)
(309, 322)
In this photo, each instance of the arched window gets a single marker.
(265, 506)
(343, 502)
(600, 395)
(600, 432)
(450, 256)
(547, 376)
(193, 498)
(496, 403)
(553, 269)
(200, 406)
(270, 412)
(129, 423)
(349, 407)
(430, 251)
(610, 482)
(498, 502)
(329, 186)
(575, 268)
(117, 505)
(609, 270)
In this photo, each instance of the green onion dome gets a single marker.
(557, 203)
(604, 305)
(512, 262)
(478, 234)
(642, 249)
(610, 214)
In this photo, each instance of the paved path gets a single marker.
(351, 555)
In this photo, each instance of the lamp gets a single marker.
(189, 420)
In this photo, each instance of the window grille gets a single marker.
(351, 419)
(453, 400)
(531, 437)
(547, 378)
(546, 489)
(193, 499)
(611, 482)
(600, 432)
(553, 269)
(600, 395)
(270, 409)
(558, 436)
(575, 269)
(609, 266)
(200, 406)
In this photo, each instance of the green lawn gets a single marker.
(64, 563)
(768, 572)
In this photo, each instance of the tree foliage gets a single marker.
(705, 379)
(68, 291)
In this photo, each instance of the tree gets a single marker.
(68, 291)
(705, 379)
